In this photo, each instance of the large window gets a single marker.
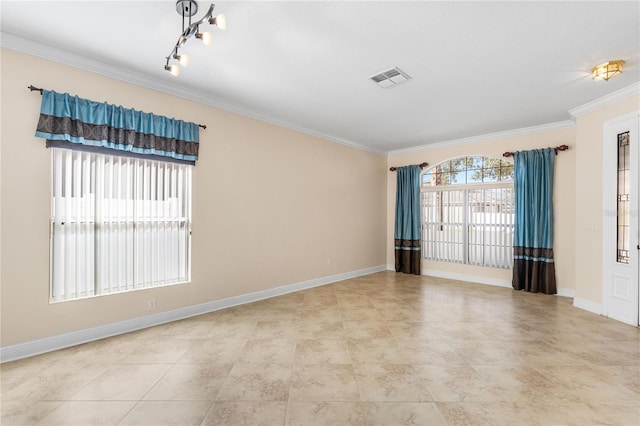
(468, 212)
(117, 224)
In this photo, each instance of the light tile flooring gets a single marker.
(384, 349)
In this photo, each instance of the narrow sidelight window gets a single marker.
(624, 184)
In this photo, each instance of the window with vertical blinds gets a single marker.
(117, 224)
(468, 211)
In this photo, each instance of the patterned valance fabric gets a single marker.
(407, 225)
(82, 122)
(534, 267)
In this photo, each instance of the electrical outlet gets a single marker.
(151, 305)
(328, 262)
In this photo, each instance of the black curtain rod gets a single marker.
(37, 89)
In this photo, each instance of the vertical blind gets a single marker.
(490, 220)
(443, 226)
(471, 226)
(117, 224)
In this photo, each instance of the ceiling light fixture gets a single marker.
(607, 70)
(186, 9)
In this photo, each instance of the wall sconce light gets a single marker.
(607, 70)
(188, 8)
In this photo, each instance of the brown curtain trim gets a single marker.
(407, 243)
(534, 276)
(121, 137)
(408, 256)
(537, 253)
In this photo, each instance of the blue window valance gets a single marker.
(78, 122)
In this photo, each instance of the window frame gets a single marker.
(137, 167)
(465, 189)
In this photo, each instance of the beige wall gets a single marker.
(271, 206)
(589, 211)
(564, 200)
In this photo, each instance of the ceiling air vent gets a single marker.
(390, 77)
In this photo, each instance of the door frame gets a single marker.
(609, 224)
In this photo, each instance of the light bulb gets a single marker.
(183, 59)
(221, 21)
(173, 69)
(205, 37)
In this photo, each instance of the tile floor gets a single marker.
(384, 349)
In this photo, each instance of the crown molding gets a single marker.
(489, 136)
(30, 47)
(611, 98)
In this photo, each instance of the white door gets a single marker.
(621, 156)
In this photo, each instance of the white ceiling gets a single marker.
(477, 67)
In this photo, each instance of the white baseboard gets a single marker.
(587, 305)
(464, 277)
(61, 341)
(459, 277)
(566, 292)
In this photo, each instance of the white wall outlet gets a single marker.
(151, 305)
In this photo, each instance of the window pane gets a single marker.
(491, 174)
(469, 226)
(623, 193)
(455, 179)
(118, 224)
(458, 165)
(506, 170)
(491, 227)
(475, 162)
(427, 178)
(474, 176)
(468, 170)
(444, 233)
(437, 177)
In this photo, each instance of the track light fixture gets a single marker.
(173, 69)
(186, 9)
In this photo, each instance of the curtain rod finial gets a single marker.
(34, 89)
